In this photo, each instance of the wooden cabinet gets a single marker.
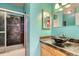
(50, 51)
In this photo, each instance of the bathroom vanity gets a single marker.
(49, 48)
(65, 21)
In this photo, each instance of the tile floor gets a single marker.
(18, 52)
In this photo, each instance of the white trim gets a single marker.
(5, 30)
(2, 31)
(5, 14)
(25, 35)
(7, 10)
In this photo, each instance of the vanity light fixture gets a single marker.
(57, 6)
(60, 9)
(69, 12)
(64, 3)
(67, 5)
(61, 6)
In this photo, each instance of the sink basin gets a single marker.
(59, 40)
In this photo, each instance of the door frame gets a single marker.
(25, 26)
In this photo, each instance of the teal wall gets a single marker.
(34, 29)
(48, 7)
(27, 28)
(35, 26)
(11, 7)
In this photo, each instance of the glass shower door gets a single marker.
(13, 30)
(2, 31)
(10, 32)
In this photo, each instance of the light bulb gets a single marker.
(64, 3)
(57, 6)
(67, 5)
(69, 12)
(60, 9)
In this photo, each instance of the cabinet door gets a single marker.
(50, 51)
(45, 50)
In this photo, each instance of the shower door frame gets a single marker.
(4, 48)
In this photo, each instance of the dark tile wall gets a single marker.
(13, 30)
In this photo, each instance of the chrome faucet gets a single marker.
(63, 35)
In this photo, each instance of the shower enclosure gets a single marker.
(11, 31)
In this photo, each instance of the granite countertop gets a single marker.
(70, 48)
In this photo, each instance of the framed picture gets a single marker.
(45, 20)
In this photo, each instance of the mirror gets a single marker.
(69, 16)
(66, 15)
